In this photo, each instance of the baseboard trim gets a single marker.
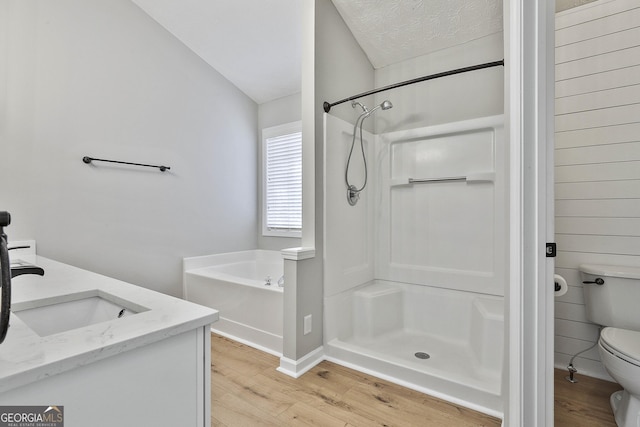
(296, 368)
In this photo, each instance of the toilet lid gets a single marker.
(622, 341)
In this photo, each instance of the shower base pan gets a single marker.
(450, 346)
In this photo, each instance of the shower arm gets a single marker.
(370, 112)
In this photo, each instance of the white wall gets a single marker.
(280, 111)
(447, 99)
(597, 173)
(102, 79)
(568, 4)
(273, 113)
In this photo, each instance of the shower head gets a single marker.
(386, 104)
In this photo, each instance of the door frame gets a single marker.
(529, 104)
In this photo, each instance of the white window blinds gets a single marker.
(283, 184)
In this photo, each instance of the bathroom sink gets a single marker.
(48, 318)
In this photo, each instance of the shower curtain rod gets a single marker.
(327, 106)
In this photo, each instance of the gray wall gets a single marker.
(101, 78)
(341, 70)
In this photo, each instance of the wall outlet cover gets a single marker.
(307, 324)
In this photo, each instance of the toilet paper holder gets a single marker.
(560, 285)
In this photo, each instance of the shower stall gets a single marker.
(415, 272)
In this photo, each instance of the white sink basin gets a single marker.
(48, 318)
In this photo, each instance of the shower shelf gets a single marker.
(469, 178)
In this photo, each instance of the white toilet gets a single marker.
(612, 299)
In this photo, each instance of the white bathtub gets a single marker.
(235, 284)
(378, 328)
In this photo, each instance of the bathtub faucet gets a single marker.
(267, 281)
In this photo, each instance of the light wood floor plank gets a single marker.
(265, 397)
(301, 414)
(247, 390)
(232, 410)
(585, 403)
(409, 408)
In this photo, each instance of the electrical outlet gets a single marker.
(307, 324)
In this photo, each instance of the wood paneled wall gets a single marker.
(597, 159)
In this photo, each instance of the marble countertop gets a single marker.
(26, 357)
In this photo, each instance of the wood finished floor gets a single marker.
(247, 390)
(583, 404)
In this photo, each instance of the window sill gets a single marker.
(289, 234)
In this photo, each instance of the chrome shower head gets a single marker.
(353, 192)
(386, 104)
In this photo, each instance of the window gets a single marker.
(282, 180)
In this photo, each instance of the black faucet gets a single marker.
(7, 273)
(24, 268)
(5, 277)
(20, 269)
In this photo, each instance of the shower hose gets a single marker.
(351, 187)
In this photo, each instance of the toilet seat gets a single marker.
(622, 343)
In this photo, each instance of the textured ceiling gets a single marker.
(391, 31)
(256, 44)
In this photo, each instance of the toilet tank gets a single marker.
(616, 302)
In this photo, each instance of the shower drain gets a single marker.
(422, 355)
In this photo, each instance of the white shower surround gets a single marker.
(449, 235)
(438, 245)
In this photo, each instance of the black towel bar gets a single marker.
(88, 160)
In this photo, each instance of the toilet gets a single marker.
(612, 297)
